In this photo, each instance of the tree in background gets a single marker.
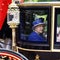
(41, 0)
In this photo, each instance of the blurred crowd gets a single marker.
(5, 43)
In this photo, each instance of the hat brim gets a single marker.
(38, 24)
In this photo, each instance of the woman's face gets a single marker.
(39, 28)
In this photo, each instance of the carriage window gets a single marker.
(30, 19)
(28, 16)
(57, 28)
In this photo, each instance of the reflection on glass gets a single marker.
(57, 10)
(29, 17)
(57, 27)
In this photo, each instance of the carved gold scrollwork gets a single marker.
(37, 57)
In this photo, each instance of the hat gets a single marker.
(38, 21)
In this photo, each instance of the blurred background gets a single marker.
(41, 0)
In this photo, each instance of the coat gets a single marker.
(36, 37)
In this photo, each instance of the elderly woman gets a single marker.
(38, 29)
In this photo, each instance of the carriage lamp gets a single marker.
(13, 20)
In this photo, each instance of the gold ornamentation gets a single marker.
(37, 57)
